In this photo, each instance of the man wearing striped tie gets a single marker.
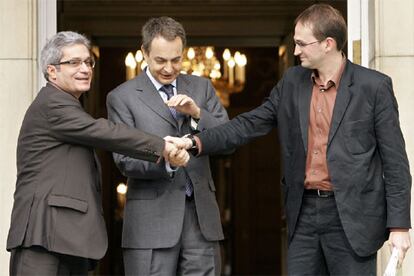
(171, 222)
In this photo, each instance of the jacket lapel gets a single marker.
(305, 95)
(343, 98)
(183, 87)
(151, 97)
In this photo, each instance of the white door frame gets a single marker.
(47, 26)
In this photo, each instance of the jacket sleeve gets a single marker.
(118, 112)
(69, 123)
(396, 171)
(212, 112)
(244, 127)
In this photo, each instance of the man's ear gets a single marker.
(51, 71)
(330, 44)
(144, 53)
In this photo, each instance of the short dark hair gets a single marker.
(165, 27)
(325, 21)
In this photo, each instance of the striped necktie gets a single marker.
(169, 91)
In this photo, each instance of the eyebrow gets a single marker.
(162, 58)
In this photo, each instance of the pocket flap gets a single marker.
(68, 202)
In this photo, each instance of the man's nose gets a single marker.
(168, 67)
(84, 67)
(297, 50)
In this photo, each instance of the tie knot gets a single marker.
(168, 89)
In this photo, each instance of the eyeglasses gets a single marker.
(76, 63)
(301, 44)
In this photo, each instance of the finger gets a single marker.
(186, 158)
(390, 246)
(180, 159)
(401, 256)
(182, 155)
(174, 100)
(172, 152)
(169, 139)
(176, 141)
(184, 101)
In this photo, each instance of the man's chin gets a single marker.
(166, 81)
(84, 88)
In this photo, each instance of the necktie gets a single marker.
(169, 91)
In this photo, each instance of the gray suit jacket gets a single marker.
(57, 202)
(365, 154)
(155, 204)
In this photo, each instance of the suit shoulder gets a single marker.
(364, 73)
(296, 73)
(194, 79)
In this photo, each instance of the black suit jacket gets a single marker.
(366, 154)
(57, 202)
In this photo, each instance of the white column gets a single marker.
(19, 78)
(47, 25)
(354, 28)
(17, 83)
(361, 31)
(386, 31)
(394, 55)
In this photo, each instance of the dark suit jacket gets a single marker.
(366, 154)
(155, 203)
(57, 202)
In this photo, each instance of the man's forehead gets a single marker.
(75, 49)
(302, 29)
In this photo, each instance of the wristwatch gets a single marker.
(194, 148)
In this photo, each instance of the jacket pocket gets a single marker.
(68, 202)
(359, 136)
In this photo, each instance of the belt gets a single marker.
(318, 193)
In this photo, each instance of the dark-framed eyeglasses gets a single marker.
(76, 63)
(302, 44)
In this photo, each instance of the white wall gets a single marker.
(17, 71)
(19, 78)
(386, 31)
(394, 55)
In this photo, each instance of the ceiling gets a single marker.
(248, 23)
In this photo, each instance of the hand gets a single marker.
(177, 157)
(184, 104)
(400, 239)
(181, 143)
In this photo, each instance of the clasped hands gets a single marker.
(175, 151)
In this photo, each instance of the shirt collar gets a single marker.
(332, 82)
(156, 83)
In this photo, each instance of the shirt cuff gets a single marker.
(194, 123)
(169, 168)
(399, 229)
